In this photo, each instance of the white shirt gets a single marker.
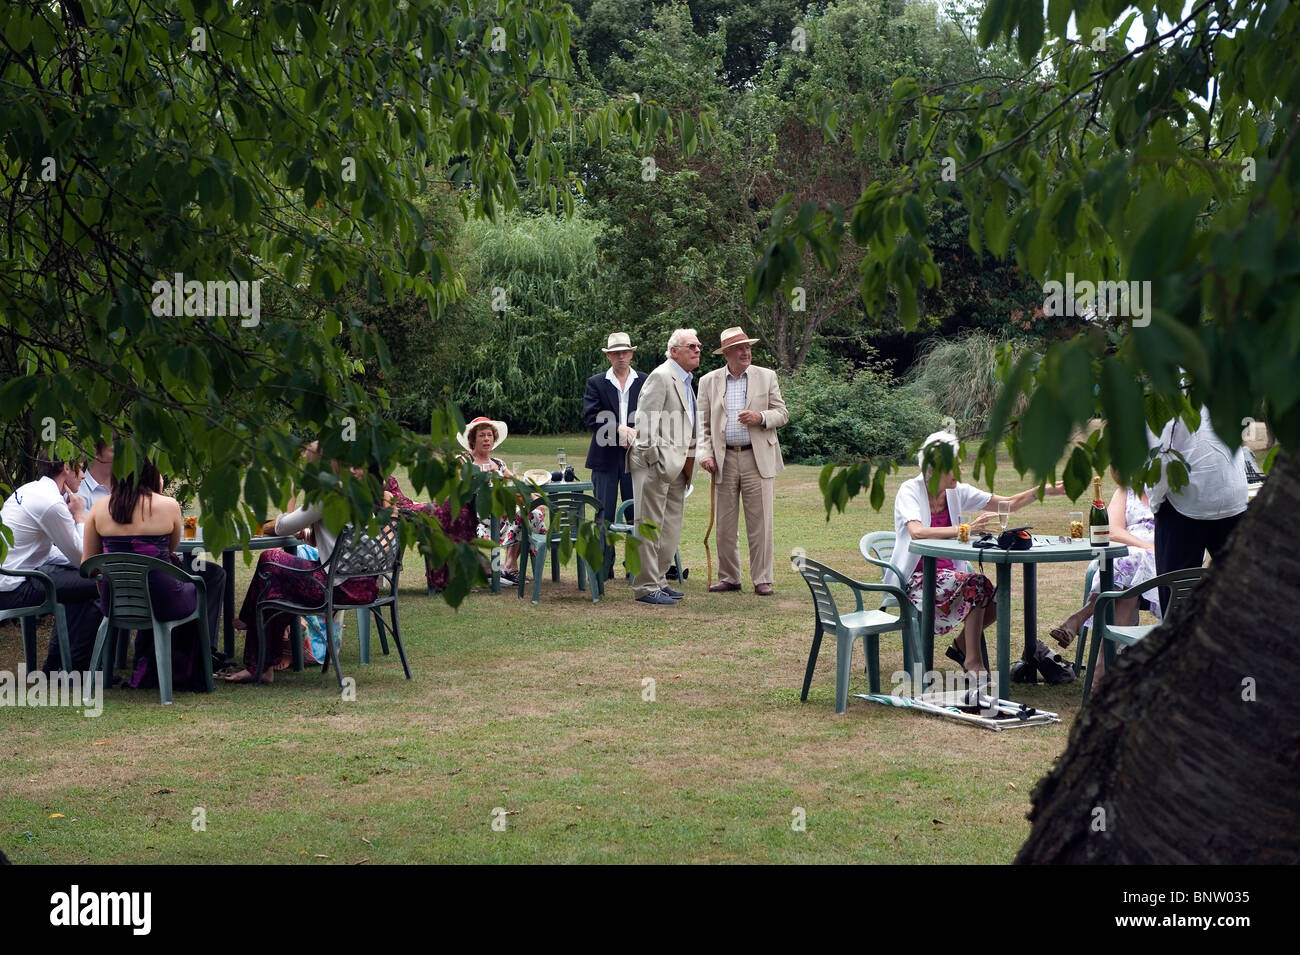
(1216, 476)
(912, 503)
(622, 392)
(286, 525)
(91, 490)
(43, 528)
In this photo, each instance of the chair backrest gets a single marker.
(879, 546)
(127, 578)
(35, 610)
(568, 510)
(620, 515)
(814, 575)
(357, 554)
(1180, 584)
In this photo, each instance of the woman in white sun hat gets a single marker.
(480, 438)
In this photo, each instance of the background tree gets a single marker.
(286, 144)
(1165, 156)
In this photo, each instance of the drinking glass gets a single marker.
(1076, 525)
(518, 469)
(1004, 514)
(562, 458)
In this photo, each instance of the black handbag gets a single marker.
(1013, 538)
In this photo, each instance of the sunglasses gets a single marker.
(691, 347)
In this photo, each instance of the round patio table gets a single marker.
(1045, 550)
(189, 545)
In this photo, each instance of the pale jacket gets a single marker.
(665, 434)
(762, 394)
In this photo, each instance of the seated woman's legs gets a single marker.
(281, 583)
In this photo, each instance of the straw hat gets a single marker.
(619, 341)
(538, 476)
(734, 336)
(498, 427)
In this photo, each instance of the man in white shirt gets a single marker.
(96, 481)
(1202, 514)
(609, 411)
(46, 518)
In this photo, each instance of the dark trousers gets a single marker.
(214, 579)
(80, 599)
(605, 487)
(1181, 542)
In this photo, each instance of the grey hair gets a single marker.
(675, 339)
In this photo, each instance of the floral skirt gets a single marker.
(955, 595)
(510, 527)
(1129, 571)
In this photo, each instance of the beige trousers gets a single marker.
(741, 481)
(661, 504)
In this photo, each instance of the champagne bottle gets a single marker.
(1098, 520)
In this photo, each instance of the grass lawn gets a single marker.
(539, 711)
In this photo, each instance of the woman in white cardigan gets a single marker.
(962, 598)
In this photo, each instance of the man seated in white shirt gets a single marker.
(1201, 515)
(46, 518)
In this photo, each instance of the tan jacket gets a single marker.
(665, 436)
(764, 395)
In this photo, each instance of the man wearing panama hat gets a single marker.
(608, 412)
(740, 409)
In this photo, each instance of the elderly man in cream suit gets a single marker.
(740, 410)
(661, 461)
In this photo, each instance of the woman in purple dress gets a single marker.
(137, 518)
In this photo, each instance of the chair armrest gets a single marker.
(860, 587)
(265, 574)
(39, 577)
(884, 566)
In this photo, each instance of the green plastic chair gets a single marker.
(568, 511)
(29, 616)
(354, 555)
(877, 548)
(860, 624)
(1180, 584)
(131, 608)
(621, 526)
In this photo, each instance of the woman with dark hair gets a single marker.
(281, 583)
(137, 518)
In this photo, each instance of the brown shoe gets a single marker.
(763, 590)
(723, 586)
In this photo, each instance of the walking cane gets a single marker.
(713, 500)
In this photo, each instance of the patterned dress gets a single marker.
(171, 599)
(1139, 565)
(956, 593)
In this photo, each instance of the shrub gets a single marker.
(846, 414)
(958, 376)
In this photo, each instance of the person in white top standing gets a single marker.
(1201, 515)
(46, 517)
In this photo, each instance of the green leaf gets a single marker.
(1030, 31)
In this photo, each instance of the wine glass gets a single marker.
(518, 469)
(562, 459)
(1004, 514)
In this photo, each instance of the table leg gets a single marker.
(1003, 597)
(1107, 583)
(929, 567)
(228, 602)
(1031, 610)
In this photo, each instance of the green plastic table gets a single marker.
(1045, 550)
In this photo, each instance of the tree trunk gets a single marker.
(1189, 752)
